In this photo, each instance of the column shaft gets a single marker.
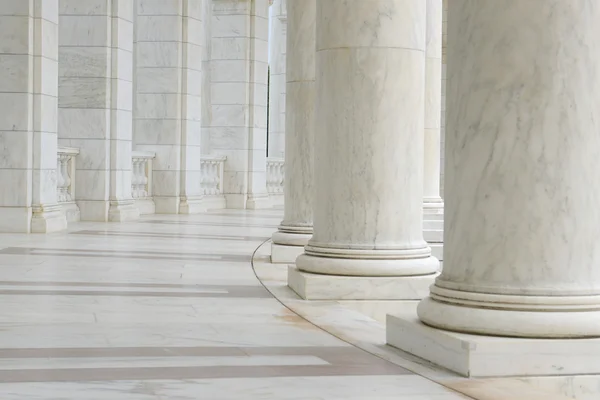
(432, 202)
(369, 140)
(28, 124)
(522, 220)
(240, 53)
(95, 103)
(277, 81)
(169, 100)
(296, 228)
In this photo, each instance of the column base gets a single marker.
(191, 205)
(329, 287)
(434, 205)
(289, 242)
(488, 356)
(48, 219)
(123, 211)
(282, 254)
(258, 202)
(372, 263)
(530, 316)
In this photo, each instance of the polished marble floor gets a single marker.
(170, 308)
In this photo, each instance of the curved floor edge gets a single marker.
(364, 333)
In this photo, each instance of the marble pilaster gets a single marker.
(368, 219)
(296, 228)
(239, 74)
(277, 80)
(169, 38)
(95, 103)
(28, 122)
(432, 201)
(522, 222)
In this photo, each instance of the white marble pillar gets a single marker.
(95, 103)
(240, 34)
(277, 81)
(206, 117)
(432, 201)
(369, 149)
(296, 228)
(28, 104)
(522, 253)
(169, 100)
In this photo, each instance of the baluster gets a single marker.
(65, 160)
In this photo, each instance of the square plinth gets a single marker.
(282, 254)
(491, 356)
(334, 287)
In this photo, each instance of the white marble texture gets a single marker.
(369, 103)
(239, 73)
(322, 287)
(432, 202)
(169, 61)
(521, 245)
(489, 356)
(296, 228)
(28, 122)
(242, 343)
(96, 104)
(277, 79)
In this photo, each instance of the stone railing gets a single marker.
(65, 181)
(211, 172)
(141, 181)
(275, 175)
(211, 181)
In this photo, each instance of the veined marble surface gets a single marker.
(521, 252)
(370, 76)
(296, 227)
(169, 308)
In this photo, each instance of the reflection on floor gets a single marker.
(170, 308)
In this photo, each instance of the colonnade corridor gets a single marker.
(169, 308)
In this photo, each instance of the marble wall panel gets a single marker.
(239, 57)
(95, 103)
(168, 98)
(28, 124)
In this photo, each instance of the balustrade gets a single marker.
(141, 181)
(65, 181)
(275, 175)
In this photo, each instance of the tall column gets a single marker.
(28, 104)
(522, 252)
(369, 107)
(432, 202)
(169, 100)
(277, 81)
(296, 228)
(95, 103)
(240, 35)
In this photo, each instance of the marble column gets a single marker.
(95, 103)
(432, 201)
(522, 253)
(240, 35)
(169, 100)
(28, 124)
(277, 81)
(296, 228)
(368, 219)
